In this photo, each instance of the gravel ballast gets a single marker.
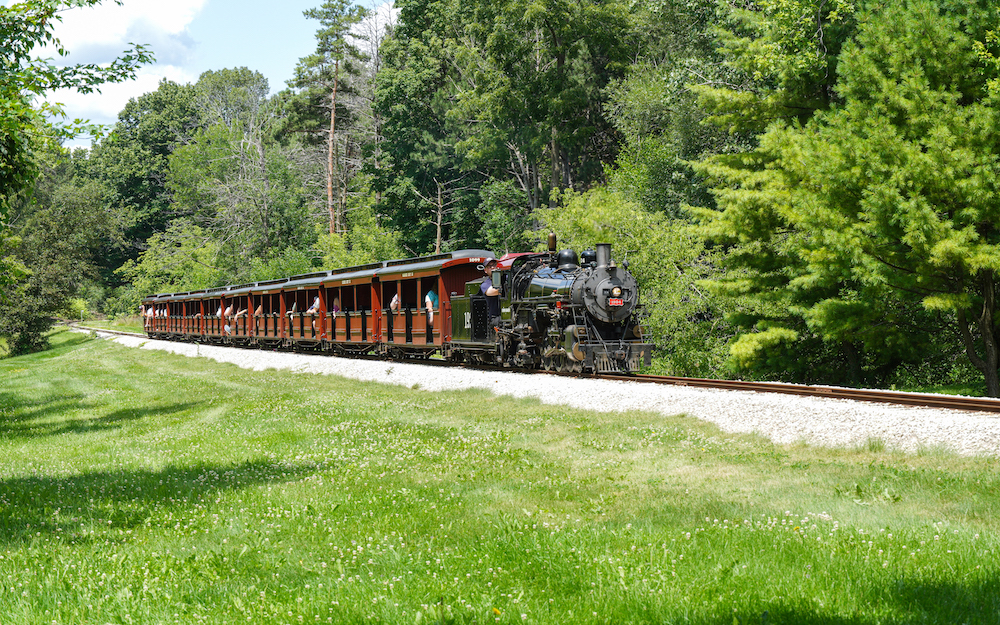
(781, 418)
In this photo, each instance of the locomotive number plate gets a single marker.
(616, 301)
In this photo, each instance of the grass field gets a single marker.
(124, 324)
(141, 487)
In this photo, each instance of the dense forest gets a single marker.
(807, 190)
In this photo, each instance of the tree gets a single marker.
(233, 178)
(876, 222)
(365, 241)
(58, 239)
(415, 98)
(658, 113)
(535, 77)
(132, 161)
(25, 26)
(322, 71)
(780, 58)
(182, 258)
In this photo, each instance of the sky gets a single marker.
(187, 37)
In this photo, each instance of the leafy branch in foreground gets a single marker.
(27, 30)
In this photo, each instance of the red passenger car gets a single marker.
(345, 311)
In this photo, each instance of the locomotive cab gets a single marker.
(471, 312)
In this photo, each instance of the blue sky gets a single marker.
(188, 37)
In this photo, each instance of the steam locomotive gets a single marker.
(558, 311)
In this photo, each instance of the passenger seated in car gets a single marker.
(431, 302)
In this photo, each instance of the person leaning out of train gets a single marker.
(394, 303)
(431, 302)
(313, 310)
(336, 306)
(227, 314)
(260, 311)
(491, 292)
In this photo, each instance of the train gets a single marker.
(552, 310)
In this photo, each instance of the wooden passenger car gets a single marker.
(352, 312)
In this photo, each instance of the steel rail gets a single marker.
(923, 400)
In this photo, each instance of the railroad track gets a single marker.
(924, 400)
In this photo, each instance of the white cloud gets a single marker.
(109, 23)
(101, 33)
(104, 107)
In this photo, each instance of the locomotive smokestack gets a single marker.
(603, 254)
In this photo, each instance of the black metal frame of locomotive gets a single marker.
(557, 312)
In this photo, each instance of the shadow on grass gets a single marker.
(907, 601)
(16, 411)
(31, 419)
(75, 508)
(61, 340)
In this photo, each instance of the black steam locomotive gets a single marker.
(560, 312)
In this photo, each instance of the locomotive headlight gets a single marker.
(616, 292)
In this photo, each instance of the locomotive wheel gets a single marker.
(548, 363)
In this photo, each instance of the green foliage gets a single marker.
(24, 27)
(288, 262)
(366, 241)
(505, 216)
(461, 108)
(132, 161)
(234, 179)
(336, 51)
(75, 308)
(782, 56)
(873, 224)
(58, 241)
(547, 114)
(659, 115)
(415, 91)
(183, 258)
(668, 260)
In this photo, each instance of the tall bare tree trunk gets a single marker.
(331, 204)
(440, 218)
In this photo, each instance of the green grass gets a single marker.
(124, 324)
(142, 487)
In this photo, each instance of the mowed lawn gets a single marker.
(142, 487)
